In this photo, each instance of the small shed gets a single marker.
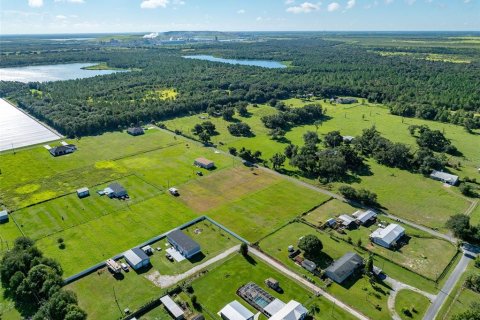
(365, 217)
(347, 221)
(272, 283)
(175, 311)
(83, 192)
(3, 216)
(147, 249)
(136, 258)
(135, 131)
(204, 163)
(309, 265)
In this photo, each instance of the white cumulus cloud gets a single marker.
(71, 1)
(334, 6)
(35, 3)
(305, 7)
(351, 4)
(152, 4)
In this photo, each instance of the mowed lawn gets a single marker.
(416, 303)
(329, 209)
(69, 211)
(104, 297)
(252, 203)
(32, 175)
(108, 235)
(402, 193)
(212, 240)
(218, 288)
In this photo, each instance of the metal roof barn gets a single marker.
(20, 130)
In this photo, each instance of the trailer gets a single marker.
(113, 266)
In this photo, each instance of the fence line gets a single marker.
(148, 242)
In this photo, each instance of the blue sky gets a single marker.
(85, 16)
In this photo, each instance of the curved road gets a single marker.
(311, 286)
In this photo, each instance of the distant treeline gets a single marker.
(411, 87)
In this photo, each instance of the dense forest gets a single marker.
(448, 92)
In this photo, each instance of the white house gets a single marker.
(291, 311)
(235, 311)
(388, 236)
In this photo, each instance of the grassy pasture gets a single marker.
(329, 209)
(69, 211)
(33, 175)
(405, 194)
(208, 193)
(237, 271)
(415, 302)
(101, 238)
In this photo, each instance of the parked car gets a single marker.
(174, 192)
(199, 173)
(124, 266)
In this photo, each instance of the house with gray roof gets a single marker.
(115, 190)
(444, 177)
(183, 243)
(344, 267)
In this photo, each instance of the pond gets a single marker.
(53, 72)
(257, 63)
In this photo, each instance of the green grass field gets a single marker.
(256, 203)
(416, 303)
(428, 202)
(237, 271)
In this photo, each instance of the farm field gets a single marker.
(414, 302)
(237, 271)
(256, 203)
(429, 203)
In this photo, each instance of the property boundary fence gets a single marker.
(150, 241)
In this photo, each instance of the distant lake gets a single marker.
(257, 63)
(54, 72)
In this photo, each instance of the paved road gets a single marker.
(423, 228)
(311, 286)
(396, 287)
(447, 287)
